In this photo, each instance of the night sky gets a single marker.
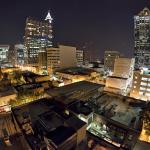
(100, 24)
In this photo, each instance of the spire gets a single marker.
(48, 17)
(145, 12)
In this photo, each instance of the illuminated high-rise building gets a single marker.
(142, 38)
(38, 37)
(4, 49)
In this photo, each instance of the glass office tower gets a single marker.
(142, 39)
(38, 37)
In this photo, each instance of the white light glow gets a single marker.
(48, 17)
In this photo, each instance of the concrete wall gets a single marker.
(67, 56)
(123, 67)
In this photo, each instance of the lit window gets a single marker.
(142, 88)
(147, 94)
(144, 79)
(141, 93)
(135, 77)
(148, 89)
(142, 83)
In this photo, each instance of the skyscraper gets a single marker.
(142, 38)
(38, 37)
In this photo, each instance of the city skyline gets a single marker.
(109, 24)
(75, 75)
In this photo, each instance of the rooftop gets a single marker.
(80, 108)
(34, 109)
(28, 86)
(145, 12)
(31, 74)
(69, 118)
(60, 134)
(37, 21)
(4, 46)
(77, 71)
(49, 113)
(118, 108)
(7, 90)
(50, 120)
(75, 122)
(67, 93)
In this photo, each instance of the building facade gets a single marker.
(142, 38)
(4, 49)
(20, 53)
(79, 55)
(141, 85)
(38, 37)
(61, 57)
(123, 67)
(42, 61)
(121, 80)
(109, 60)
